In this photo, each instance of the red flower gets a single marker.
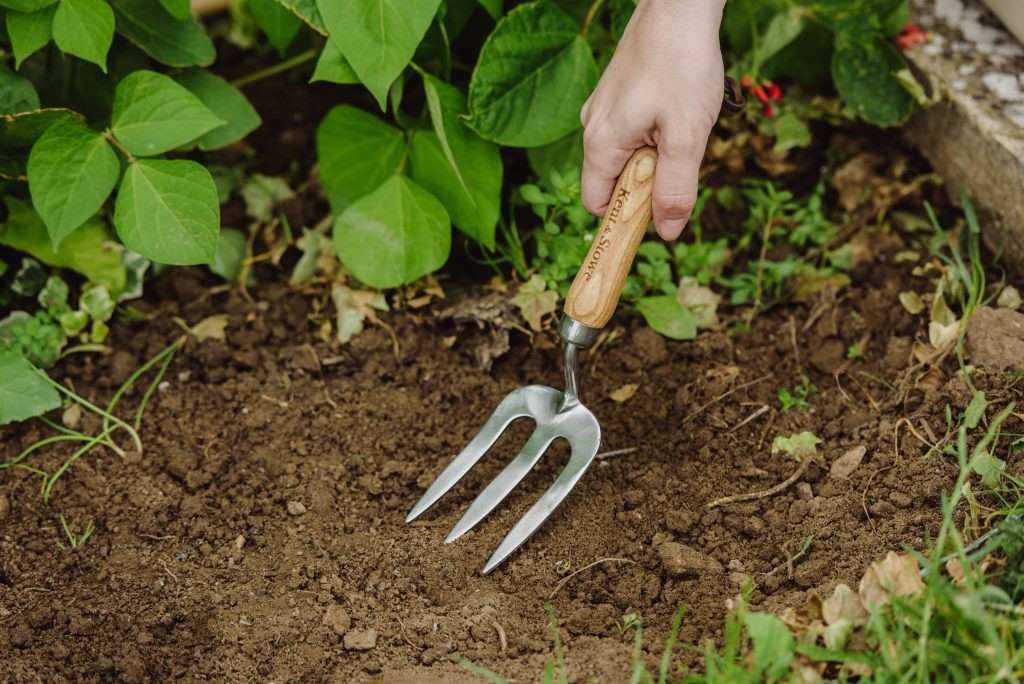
(773, 90)
(765, 93)
(911, 35)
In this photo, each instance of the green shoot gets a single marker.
(75, 541)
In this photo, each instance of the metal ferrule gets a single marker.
(577, 334)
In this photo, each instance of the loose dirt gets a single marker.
(260, 535)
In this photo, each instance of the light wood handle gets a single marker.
(595, 291)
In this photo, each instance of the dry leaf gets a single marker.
(844, 604)
(624, 393)
(844, 466)
(854, 178)
(535, 301)
(700, 300)
(943, 336)
(912, 302)
(1009, 298)
(353, 308)
(897, 575)
(955, 570)
(497, 283)
(210, 328)
(72, 416)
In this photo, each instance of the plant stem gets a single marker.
(108, 135)
(168, 350)
(281, 67)
(95, 409)
(592, 11)
(52, 480)
(27, 451)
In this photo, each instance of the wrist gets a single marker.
(690, 10)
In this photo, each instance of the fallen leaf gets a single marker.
(1009, 298)
(912, 302)
(943, 336)
(844, 466)
(810, 281)
(955, 570)
(799, 446)
(843, 604)
(353, 308)
(535, 301)
(700, 300)
(210, 328)
(262, 193)
(854, 179)
(624, 393)
(896, 575)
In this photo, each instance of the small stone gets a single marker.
(844, 466)
(296, 508)
(680, 560)
(337, 618)
(360, 639)
(239, 542)
(804, 491)
(5, 506)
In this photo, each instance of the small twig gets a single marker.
(405, 637)
(502, 639)
(763, 494)
(566, 579)
(615, 452)
(792, 341)
(719, 398)
(168, 570)
(764, 409)
(767, 429)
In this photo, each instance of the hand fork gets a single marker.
(588, 307)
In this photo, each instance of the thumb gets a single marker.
(675, 185)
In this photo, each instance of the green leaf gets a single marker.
(461, 169)
(307, 11)
(781, 31)
(773, 645)
(799, 446)
(333, 67)
(378, 37)
(975, 410)
(226, 102)
(789, 131)
(493, 8)
(17, 94)
(71, 172)
(85, 29)
(166, 39)
(29, 32)
(19, 131)
(26, 5)
(667, 316)
(394, 235)
(534, 74)
(989, 467)
(863, 70)
(153, 114)
(277, 23)
(179, 9)
(230, 253)
(564, 156)
(90, 250)
(24, 393)
(357, 153)
(167, 211)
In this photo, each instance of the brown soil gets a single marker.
(203, 568)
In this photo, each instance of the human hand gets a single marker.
(664, 88)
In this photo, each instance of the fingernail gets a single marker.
(670, 229)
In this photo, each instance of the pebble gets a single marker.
(680, 560)
(239, 542)
(844, 466)
(5, 506)
(338, 619)
(1005, 86)
(360, 639)
(296, 508)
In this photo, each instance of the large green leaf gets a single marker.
(29, 31)
(277, 23)
(333, 67)
(17, 94)
(534, 73)
(772, 645)
(493, 7)
(153, 114)
(394, 235)
(167, 40)
(667, 316)
(378, 37)
(19, 131)
(71, 172)
(461, 169)
(26, 5)
(357, 153)
(179, 9)
(90, 250)
(168, 212)
(85, 29)
(226, 102)
(307, 11)
(24, 393)
(564, 156)
(863, 69)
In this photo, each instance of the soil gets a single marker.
(261, 534)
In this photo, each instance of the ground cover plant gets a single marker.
(256, 253)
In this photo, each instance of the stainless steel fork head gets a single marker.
(558, 415)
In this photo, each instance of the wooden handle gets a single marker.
(595, 292)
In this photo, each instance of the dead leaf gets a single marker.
(72, 416)
(353, 307)
(810, 281)
(535, 301)
(624, 393)
(896, 575)
(1009, 298)
(912, 302)
(955, 569)
(210, 328)
(943, 336)
(854, 179)
(844, 466)
(263, 193)
(497, 283)
(843, 604)
(700, 300)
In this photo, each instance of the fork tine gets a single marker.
(487, 500)
(512, 407)
(583, 451)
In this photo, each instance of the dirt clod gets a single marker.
(296, 508)
(360, 639)
(995, 338)
(680, 560)
(338, 619)
(5, 506)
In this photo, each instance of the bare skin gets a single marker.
(663, 87)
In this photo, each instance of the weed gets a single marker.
(75, 541)
(854, 352)
(797, 398)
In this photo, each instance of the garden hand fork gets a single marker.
(588, 307)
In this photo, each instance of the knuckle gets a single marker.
(674, 204)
